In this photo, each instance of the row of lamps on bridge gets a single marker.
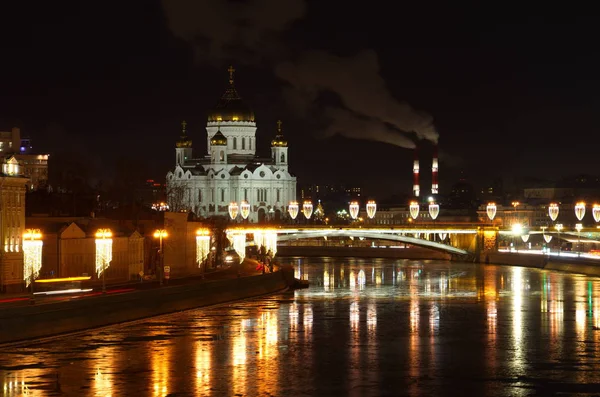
(553, 210)
(307, 209)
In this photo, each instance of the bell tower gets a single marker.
(183, 147)
(279, 149)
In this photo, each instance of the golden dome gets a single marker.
(218, 139)
(231, 107)
(279, 140)
(184, 140)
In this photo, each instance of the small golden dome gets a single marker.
(184, 140)
(279, 140)
(218, 139)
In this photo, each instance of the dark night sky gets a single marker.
(507, 95)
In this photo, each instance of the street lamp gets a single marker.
(559, 227)
(434, 210)
(233, 210)
(104, 245)
(596, 212)
(354, 207)
(307, 209)
(160, 234)
(580, 210)
(414, 209)
(293, 209)
(491, 211)
(371, 209)
(578, 227)
(32, 256)
(553, 211)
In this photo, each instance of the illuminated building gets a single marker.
(33, 165)
(12, 225)
(231, 171)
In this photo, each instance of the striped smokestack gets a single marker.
(434, 172)
(416, 189)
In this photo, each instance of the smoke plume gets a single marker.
(253, 30)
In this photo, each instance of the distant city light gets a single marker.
(354, 207)
(553, 210)
(580, 210)
(491, 211)
(371, 209)
(414, 209)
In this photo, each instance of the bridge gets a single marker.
(459, 240)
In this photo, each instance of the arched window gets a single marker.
(243, 143)
(234, 142)
(199, 195)
(282, 157)
(222, 156)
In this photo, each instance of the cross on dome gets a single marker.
(231, 71)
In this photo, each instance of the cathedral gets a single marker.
(230, 171)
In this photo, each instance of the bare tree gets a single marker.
(176, 196)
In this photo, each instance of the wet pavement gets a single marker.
(364, 327)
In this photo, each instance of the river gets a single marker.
(365, 327)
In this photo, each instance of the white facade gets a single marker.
(231, 171)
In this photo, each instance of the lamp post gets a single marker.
(414, 209)
(103, 253)
(160, 234)
(559, 227)
(354, 207)
(491, 211)
(32, 256)
(578, 227)
(293, 209)
(233, 210)
(371, 209)
(245, 209)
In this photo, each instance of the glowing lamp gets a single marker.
(202, 245)
(525, 237)
(547, 238)
(371, 209)
(104, 245)
(414, 209)
(160, 233)
(245, 209)
(580, 210)
(553, 211)
(307, 209)
(578, 227)
(434, 210)
(517, 229)
(596, 212)
(233, 210)
(293, 209)
(491, 211)
(32, 255)
(559, 227)
(354, 209)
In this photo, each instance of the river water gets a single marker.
(367, 327)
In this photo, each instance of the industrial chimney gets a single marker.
(416, 189)
(434, 172)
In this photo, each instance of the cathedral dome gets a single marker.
(218, 139)
(231, 107)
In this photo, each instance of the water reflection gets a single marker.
(380, 327)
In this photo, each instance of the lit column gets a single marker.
(32, 256)
(416, 189)
(578, 227)
(103, 253)
(553, 210)
(559, 227)
(160, 234)
(517, 230)
(202, 246)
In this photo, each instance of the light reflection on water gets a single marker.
(364, 327)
